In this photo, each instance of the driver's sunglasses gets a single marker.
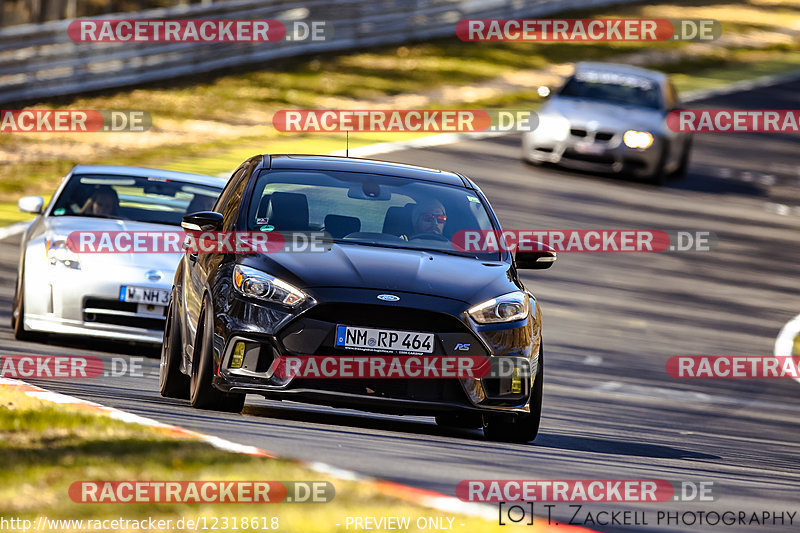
(432, 217)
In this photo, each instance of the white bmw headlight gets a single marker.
(637, 139)
(507, 308)
(258, 284)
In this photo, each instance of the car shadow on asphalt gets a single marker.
(359, 420)
(51, 340)
(617, 447)
(544, 440)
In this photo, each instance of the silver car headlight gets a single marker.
(507, 308)
(637, 139)
(553, 127)
(258, 284)
(59, 253)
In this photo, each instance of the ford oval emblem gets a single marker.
(154, 275)
(388, 297)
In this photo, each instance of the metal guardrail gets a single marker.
(40, 60)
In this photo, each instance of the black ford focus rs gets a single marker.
(389, 282)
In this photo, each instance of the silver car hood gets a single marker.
(604, 116)
(61, 227)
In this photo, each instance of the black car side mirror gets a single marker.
(540, 257)
(202, 221)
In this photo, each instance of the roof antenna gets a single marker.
(347, 145)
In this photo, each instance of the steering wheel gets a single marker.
(430, 236)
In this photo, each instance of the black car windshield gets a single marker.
(143, 199)
(613, 88)
(368, 209)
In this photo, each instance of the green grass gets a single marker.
(46, 447)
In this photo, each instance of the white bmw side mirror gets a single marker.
(31, 204)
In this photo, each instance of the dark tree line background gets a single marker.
(32, 11)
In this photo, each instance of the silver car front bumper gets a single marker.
(596, 151)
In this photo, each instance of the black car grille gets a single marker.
(603, 136)
(421, 390)
(117, 313)
(314, 334)
(589, 158)
(378, 316)
(107, 303)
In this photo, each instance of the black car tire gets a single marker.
(18, 323)
(522, 428)
(659, 176)
(683, 168)
(459, 420)
(172, 382)
(202, 393)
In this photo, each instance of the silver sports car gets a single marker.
(611, 118)
(112, 295)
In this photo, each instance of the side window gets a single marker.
(229, 187)
(231, 208)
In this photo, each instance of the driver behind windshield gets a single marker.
(428, 216)
(103, 202)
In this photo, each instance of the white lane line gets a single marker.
(428, 498)
(452, 138)
(784, 343)
(740, 86)
(125, 416)
(680, 395)
(423, 142)
(13, 229)
(593, 360)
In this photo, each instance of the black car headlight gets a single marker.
(507, 308)
(257, 284)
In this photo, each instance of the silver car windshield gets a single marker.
(143, 199)
(368, 209)
(613, 88)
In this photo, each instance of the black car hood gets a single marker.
(366, 267)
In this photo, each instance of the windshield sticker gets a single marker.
(612, 77)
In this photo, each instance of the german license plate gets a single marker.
(384, 339)
(143, 295)
(589, 148)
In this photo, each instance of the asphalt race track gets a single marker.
(610, 323)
